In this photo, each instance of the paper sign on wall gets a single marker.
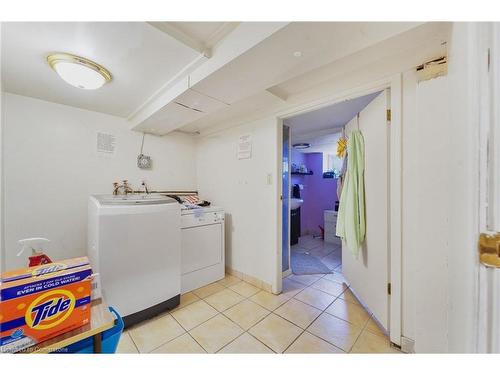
(106, 143)
(245, 146)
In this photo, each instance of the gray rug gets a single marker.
(304, 264)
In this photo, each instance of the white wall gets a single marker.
(432, 215)
(51, 167)
(426, 187)
(232, 184)
(2, 257)
(242, 188)
(410, 181)
(441, 192)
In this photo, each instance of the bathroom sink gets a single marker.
(295, 203)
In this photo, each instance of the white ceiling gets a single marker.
(321, 128)
(272, 61)
(332, 117)
(403, 51)
(266, 64)
(197, 76)
(208, 33)
(141, 59)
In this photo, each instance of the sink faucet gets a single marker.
(143, 184)
(125, 187)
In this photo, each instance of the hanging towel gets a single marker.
(341, 178)
(351, 216)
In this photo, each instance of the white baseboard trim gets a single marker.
(250, 279)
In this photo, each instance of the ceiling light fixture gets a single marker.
(301, 146)
(297, 54)
(79, 71)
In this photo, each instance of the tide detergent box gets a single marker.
(41, 302)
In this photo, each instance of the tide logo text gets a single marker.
(50, 309)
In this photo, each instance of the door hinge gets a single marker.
(389, 115)
(389, 288)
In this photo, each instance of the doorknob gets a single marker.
(489, 249)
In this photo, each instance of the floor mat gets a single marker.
(305, 264)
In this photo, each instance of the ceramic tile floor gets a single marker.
(330, 254)
(314, 314)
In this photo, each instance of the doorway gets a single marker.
(315, 173)
(366, 279)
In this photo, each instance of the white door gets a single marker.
(369, 274)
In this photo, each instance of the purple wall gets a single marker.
(298, 158)
(319, 193)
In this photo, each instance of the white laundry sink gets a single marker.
(295, 203)
(134, 199)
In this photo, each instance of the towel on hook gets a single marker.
(341, 178)
(351, 225)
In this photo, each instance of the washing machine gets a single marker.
(134, 243)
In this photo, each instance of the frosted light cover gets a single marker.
(79, 75)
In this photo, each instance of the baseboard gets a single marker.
(250, 279)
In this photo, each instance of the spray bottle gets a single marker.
(37, 246)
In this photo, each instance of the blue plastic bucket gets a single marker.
(109, 339)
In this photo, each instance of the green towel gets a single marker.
(351, 217)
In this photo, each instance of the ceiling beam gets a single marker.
(280, 94)
(225, 29)
(244, 37)
(167, 93)
(182, 37)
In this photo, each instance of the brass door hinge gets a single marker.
(389, 115)
(389, 288)
(489, 249)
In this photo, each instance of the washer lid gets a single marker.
(133, 199)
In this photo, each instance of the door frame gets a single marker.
(288, 271)
(394, 83)
(487, 114)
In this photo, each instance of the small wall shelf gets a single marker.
(303, 173)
